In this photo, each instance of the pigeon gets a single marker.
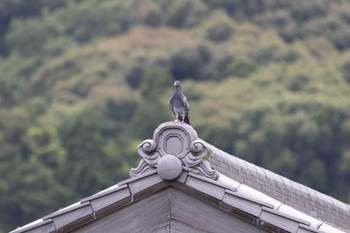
(178, 104)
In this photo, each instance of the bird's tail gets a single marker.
(187, 120)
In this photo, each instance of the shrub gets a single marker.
(240, 68)
(133, 77)
(345, 69)
(341, 39)
(28, 37)
(220, 27)
(218, 33)
(189, 62)
(184, 13)
(90, 19)
(305, 10)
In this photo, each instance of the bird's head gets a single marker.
(177, 84)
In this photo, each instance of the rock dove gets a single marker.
(178, 104)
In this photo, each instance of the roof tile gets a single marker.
(41, 226)
(209, 187)
(139, 185)
(117, 197)
(306, 229)
(281, 220)
(71, 215)
(250, 206)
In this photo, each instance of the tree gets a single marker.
(151, 111)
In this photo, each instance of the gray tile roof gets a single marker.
(262, 198)
(257, 212)
(296, 195)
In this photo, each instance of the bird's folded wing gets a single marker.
(186, 104)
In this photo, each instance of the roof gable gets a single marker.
(170, 210)
(133, 197)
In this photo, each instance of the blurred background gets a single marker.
(83, 82)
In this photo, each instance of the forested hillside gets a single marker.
(83, 82)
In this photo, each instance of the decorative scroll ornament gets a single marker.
(174, 141)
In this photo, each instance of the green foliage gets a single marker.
(189, 62)
(10, 10)
(151, 110)
(179, 14)
(306, 10)
(153, 81)
(305, 130)
(15, 72)
(45, 147)
(28, 191)
(28, 37)
(27, 186)
(240, 68)
(83, 23)
(76, 23)
(133, 78)
(184, 13)
(220, 28)
(89, 159)
(345, 69)
(302, 136)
